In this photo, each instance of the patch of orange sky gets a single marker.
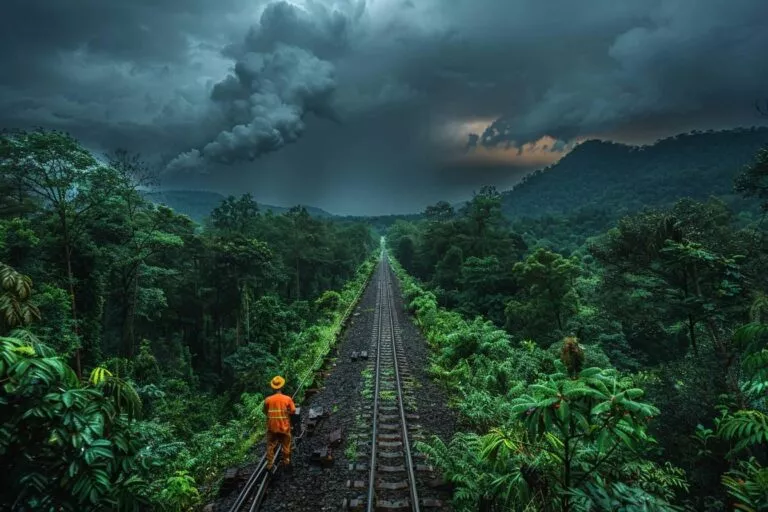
(454, 135)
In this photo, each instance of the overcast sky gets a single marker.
(367, 107)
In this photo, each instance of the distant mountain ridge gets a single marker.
(198, 204)
(623, 178)
(596, 175)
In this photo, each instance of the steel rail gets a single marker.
(259, 495)
(404, 423)
(260, 475)
(372, 468)
(386, 307)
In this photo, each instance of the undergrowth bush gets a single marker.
(548, 429)
(199, 435)
(305, 355)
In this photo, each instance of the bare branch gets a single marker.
(132, 168)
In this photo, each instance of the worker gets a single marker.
(278, 408)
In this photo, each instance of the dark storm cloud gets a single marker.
(115, 74)
(323, 31)
(357, 95)
(278, 78)
(35, 33)
(681, 60)
(264, 104)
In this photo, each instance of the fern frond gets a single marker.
(748, 485)
(746, 428)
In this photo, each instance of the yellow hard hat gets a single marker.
(277, 382)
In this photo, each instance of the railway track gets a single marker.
(254, 490)
(389, 476)
(395, 478)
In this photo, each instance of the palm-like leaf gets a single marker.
(748, 484)
(68, 437)
(745, 427)
(15, 291)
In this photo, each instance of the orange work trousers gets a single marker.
(273, 439)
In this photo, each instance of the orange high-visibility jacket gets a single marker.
(278, 408)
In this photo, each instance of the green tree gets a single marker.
(129, 229)
(406, 251)
(402, 239)
(482, 284)
(546, 297)
(753, 182)
(484, 231)
(14, 199)
(680, 265)
(70, 182)
(236, 215)
(245, 264)
(741, 431)
(440, 212)
(304, 247)
(448, 271)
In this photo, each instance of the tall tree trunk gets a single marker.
(219, 331)
(237, 328)
(568, 460)
(711, 325)
(128, 308)
(220, 337)
(692, 333)
(131, 334)
(485, 504)
(247, 316)
(239, 319)
(726, 379)
(71, 288)
(298, 295)
(125, 307)
(691, 321)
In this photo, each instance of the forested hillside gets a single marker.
(627, 372)
(135, 343)
(600, 181)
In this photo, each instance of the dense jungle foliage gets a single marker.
(604, 352)
(198, 204)
(135, 344)
(628, 372)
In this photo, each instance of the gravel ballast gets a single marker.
(309, 487)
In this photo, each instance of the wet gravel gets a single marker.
(434, 413)
(309, 487)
